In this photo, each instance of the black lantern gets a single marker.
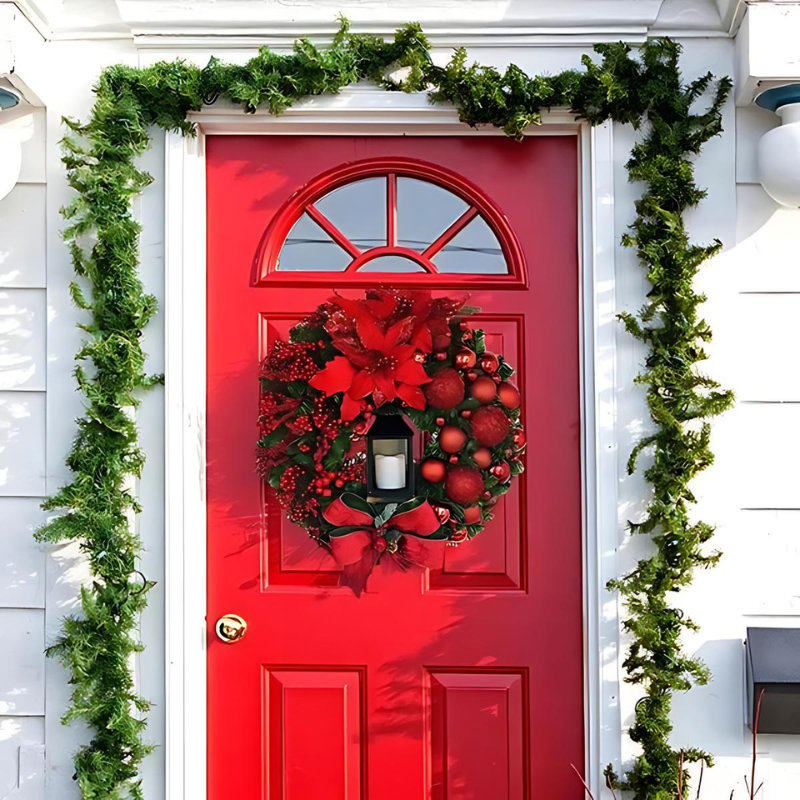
(390, 464)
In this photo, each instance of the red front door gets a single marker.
(464, 684)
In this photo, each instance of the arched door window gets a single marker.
(414, 221)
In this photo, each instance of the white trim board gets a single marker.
(239, 23)
(185, 546)
(370, 112)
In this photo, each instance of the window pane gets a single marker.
(391, 264)
(358, 210)
(309, 249)
(475, 249)
(424, 212)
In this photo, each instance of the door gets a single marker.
(459, 684)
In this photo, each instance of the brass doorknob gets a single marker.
(230, 628)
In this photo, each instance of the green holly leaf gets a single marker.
(505, 370)
(273, 438)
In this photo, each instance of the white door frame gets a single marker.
(365, 111)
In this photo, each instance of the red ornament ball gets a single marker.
(483, 390)
(489, 362)
(483, 457)
(446, 389)
(490, 425)
(509, 395)
(433, 470)
(441, 341)
(452, 439)
(501, 471)
(464, 485)
(472, 515)
(466, 359)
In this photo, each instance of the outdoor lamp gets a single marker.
(10, 146)
(8, 99)
(778, 154)
(390, 464)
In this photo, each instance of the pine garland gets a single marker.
(681, 401)
(103, 238)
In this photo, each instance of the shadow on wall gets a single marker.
(767, 241)
(22, 340)
(715, 713)
(22, 443)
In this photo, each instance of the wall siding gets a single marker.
(23, 380)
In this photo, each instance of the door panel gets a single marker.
(478, 735)
(313, 733)
(461, 684)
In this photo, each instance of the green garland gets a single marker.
(100, 158)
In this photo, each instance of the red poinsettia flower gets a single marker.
(377, 363)
(431, 316)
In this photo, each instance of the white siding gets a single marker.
(22, 676)
(22, 235)
(23, 337)
(23, 563)
(22, 347)
(22, 758)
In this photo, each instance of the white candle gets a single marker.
(390, 471)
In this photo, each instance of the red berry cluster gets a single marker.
(274, 409)
(290, 361)
(325, 419)
(294, 495)
(299, 510)
(300, 425)
(269, 458)
(322, 484)
(347, 474)
(289, 479)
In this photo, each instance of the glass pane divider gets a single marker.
(332, 231)
(391, 210)
(454, 229)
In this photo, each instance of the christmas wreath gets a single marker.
(348, 368)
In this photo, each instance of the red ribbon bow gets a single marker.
(363, 535)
